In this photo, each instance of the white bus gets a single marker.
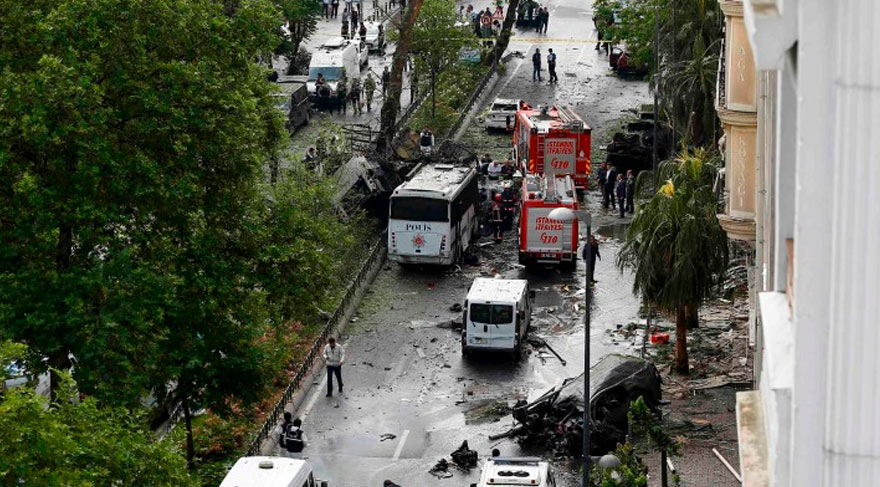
(433, 216)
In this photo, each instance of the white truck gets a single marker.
(497, 315)
(338, 60)
(271, 472)
(533, 472)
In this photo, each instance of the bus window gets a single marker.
(419, 209)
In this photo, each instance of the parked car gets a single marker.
(502, 114)
(375, 37)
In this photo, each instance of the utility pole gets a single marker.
(656, 88)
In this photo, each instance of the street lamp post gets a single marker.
(566, 215)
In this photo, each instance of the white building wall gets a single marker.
(852, 399)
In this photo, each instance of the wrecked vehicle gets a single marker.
(516, 471)
(433, 217)
(555, 419)
(497, 314)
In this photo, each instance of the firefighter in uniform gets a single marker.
(508, 205)
(498, 219)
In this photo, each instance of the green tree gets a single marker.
(74, 443)
(437, 41)
(504, 37)
(676, 245)
(123, 121)
(301, 19)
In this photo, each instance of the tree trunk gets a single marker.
(681, 351)
(58, 360)
(190, 448)
(391, 105)
(273, 170)
(433, 94)
(504, 38)
(693, 316)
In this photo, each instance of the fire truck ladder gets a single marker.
(569, 120)
(540, 162)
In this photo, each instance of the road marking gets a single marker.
(555, 40)
(513, 74)
(314, 398)
(399, 449)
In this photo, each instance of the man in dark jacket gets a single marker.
(610, 181)
(603, 170)
(621, 194)
(536, 65)
(630, 191)
(590, 253)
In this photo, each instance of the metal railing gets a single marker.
(377, 251)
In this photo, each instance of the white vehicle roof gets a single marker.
(506, 101)
(556, 189)
(442, 181)
(335, 43)
(267, 472)
(514, 471)
(489, 290)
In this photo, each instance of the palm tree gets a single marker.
(675, 244)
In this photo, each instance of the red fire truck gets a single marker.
(542, 240)
(553, 142)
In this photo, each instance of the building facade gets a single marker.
(813, 419)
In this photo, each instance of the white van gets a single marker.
(497, 314)
(529, 471)
(339, 60)
(271, 472)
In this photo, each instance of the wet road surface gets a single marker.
(404, 374)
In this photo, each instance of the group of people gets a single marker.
(360, 94)
(502, 205)
(618, 190)
(486, 23)
(551, 66)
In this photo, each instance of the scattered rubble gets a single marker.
(441, 469)
(555, 419)
(464, 457)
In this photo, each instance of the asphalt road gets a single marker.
(404, 375)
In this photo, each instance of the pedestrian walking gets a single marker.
(386, 80)
(334, 8)
(334, 355)
(325, 9)
(498, 219)
(630, 191)
(591, 252)
(551, 65)
(369, 89)
(601, 179)
(536, 65)
(621, 194)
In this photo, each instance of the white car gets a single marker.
(525, 471)
(502, 114)
(375, 37)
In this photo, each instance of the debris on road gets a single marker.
(387, 436)
(441, 469)
(540, 342)
(555, 419)
(464, 457)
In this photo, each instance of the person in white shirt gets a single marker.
(494, 170)
(334, 355)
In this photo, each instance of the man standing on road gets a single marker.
(356, 96)
(601, 178)
(369, 89)
(544, 20)
(536, 65)
(591, 251)
(551, 65)
(498, 219)
(334, 8)
(610, 180)
(334, 355)
(325, 9)
(621, 194)
(386, 80)
(630, 191)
